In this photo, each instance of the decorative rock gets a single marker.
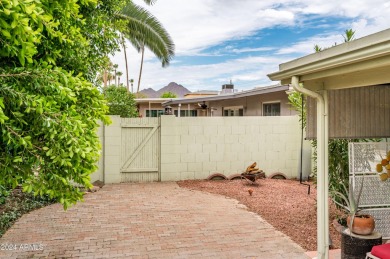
(217, 176)
(277, 176)
(95, 189)
(234, 177)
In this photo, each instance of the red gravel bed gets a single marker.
(284, 204)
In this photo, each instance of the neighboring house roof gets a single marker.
(153, 100)
(205, 92)
(342, 66)
(252, 92)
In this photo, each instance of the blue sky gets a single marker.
(244, 40)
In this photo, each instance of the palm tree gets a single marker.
(107, 67)
(109, 77)
(119, 74)
(131, 82)
(115, 67)
(123, 42)
(349, 35)
(317, 48)
(142, 29)
(140, 68)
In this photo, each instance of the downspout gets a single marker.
(301, 155)
(322, 169)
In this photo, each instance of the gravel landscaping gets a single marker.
(285, 204)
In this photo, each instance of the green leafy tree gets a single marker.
(48, 121)
(120, 102)
(298, 102)
(50, 56)
(168, 95)
(140, 95)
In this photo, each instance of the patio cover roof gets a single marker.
(362, 62)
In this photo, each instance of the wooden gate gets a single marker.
(140, 154)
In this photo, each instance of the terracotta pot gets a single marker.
(362, 224)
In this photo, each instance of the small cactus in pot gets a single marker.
(357, 222)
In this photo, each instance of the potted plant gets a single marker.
(357, 222)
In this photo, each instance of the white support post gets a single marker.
(322, 179)
(326, 171)
(322, 168)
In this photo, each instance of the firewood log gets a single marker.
(249, 168)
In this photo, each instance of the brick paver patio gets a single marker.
(148, 220)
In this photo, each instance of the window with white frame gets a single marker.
(186, 113)
(154, 113)
(233, 111)
(271, 109)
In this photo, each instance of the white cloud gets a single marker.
(196, 25)
(244, 50)
(247, 72)
(307, 46)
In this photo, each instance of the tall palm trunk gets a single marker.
(105, 78)
(127, 68)
(140, 69)
(115, 77)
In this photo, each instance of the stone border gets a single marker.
(234, 177)
(277, 175)
(217, 176)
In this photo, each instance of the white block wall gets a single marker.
(112, 141)
(98, 175)
(194, 148)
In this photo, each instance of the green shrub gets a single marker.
(16, 203)
(120, 102)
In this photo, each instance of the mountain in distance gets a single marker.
(149, 93)
(172, 87)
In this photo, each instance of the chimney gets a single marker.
(227, 88)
